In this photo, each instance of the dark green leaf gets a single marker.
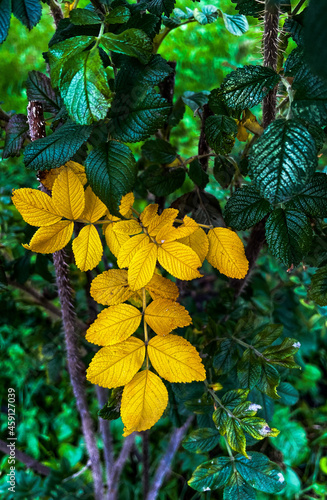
(197, 174)
(132, 42)
(246, 208)
(249, 370)
(195, 100)
(226, 357)
(132, 73)
(293, 26)
(27, 11)
(224, 170)
(220, 133)
(201, 440)
(313, 199)
(16, 133)
(66, 30)
(283, 160)
(310, 100)
(238, 489)
(289, 396)
(318, 287)
(149, 23)
(159, 7)
(315, 37)
(246, 87)
(111, 172)
(235, 397)
(235, 435)
(267, 336)
(38, 87)
(260, 473)
(269, 381)
(217, 104)
(5, 14)
(159, 151)
(249, 7)
(289, 235)
(282, 354)
(111, 410)
(84, 16)
(211, 475)
(266, 403)
(134, 120)
(237, 25)
(161, 181)
(118, 15)
(56, 149)
(292, 440)
(207, 15)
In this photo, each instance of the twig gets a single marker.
(119, 465)
(166, 460)
(104, 425)
(30, 462)
(78, 473)
(145, 460)
(203, 147)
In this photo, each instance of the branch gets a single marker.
(30, 462)
(203, 148)
(56, 11)
(165, 462)
(104, 425)
(145, 461)
(119, 465)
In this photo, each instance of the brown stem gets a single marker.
(203, 147)
(104, 425)
(119, 465)
(30, 462)
(145, 461)
(56, 12)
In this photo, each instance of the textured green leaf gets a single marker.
(313, 199)
(56, 149)
(118, 15)
(84, 16)
(293, 26)
(16, 133)
(132, 42)
(111, 410)
(283, 160)
(207, 15)
(111, 172)
(238, 489)
(27, 11)
(249, 7)
(84, 88)
(246, 87)
(267, 336)
(195, 100)
(318, 287)
(66, 29)
(282, 354)
(237, 24)
(38, 88)
(245, 208)
(159, 151)
(235, 397)
(267, 404)
(269, 381)
(159, 7)
(224, 170)
(249, 370)
(211, 475)
(5, 14)
(315, 37)
(289, 396)
(201, 440)
(134, 120)
(226, 357)
(197, 174)
(132, 73)
(145, 21)
(235, 436)
(161, 181)
(289, 235)
(260, 473)
(310, 100)
(220, 418)
(220, 133)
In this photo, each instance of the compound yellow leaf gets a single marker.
(164, 315)
(111, 288)
(175, 359)
(35, 207)
(128, 227)
(130, 248)
(168, 216)
(68, 195)
(48, 177)
(126, 204)
(199, 242)
(142, 266)
(169, 233)
(149, 214)
(114, 240)
(87, 248)
(160, 287)
(179, 260)
(143, 402)
(114, 325)
(226, 253)
(94, 208)
(116, 365)
(50, 239)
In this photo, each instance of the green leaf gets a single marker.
(161, 181)
(149, 23)
(211, 475)
(38, 88)
(237, 24)
(159, 7)
(118, 15)
(246, 208)
(208, 15)
(313, 199)
(249, 370)
(292, 440)
(220, 133)
(289, 235)
(16, 133)
(84, 16)
(136, 119)
(132, 73)
(295, 29)
(27, 12)
(269, 381)
(5, 15)
(132, 42)
(224, 170)
(235, 436)
(159, 151)
(56, 149)
(226, 357)
(197, 174)
(84, 88)
(201, 440)
(310, 100)
(235, 397)
(267, 336)
(318, 287)
(195, 100)
(315, 38)
(289, 396)
(246, 87)
(249, 7)
(238, 489)
(111, 410)
(282, 354)
(283, 160)
(111, 172)
(260, 473)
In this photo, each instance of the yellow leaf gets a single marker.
(68, 195)
(143, 402)
(250, 122)
(226, 253)
(160, 287)
(175, 359)
(114, 240)
(179, 260)
(242, 133)
(128, 227)
(48, 177)
(111, 288)
(142, 266)
(164, 315)
(116, 365)
(199, 242)
(94, 208)
(35, 207)
(169, 233)
(50, 239)
(130, 248)
(126, 204)
(114, 324)
(168, 216)
(112, 218)
(148, 214)
(87, 248)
